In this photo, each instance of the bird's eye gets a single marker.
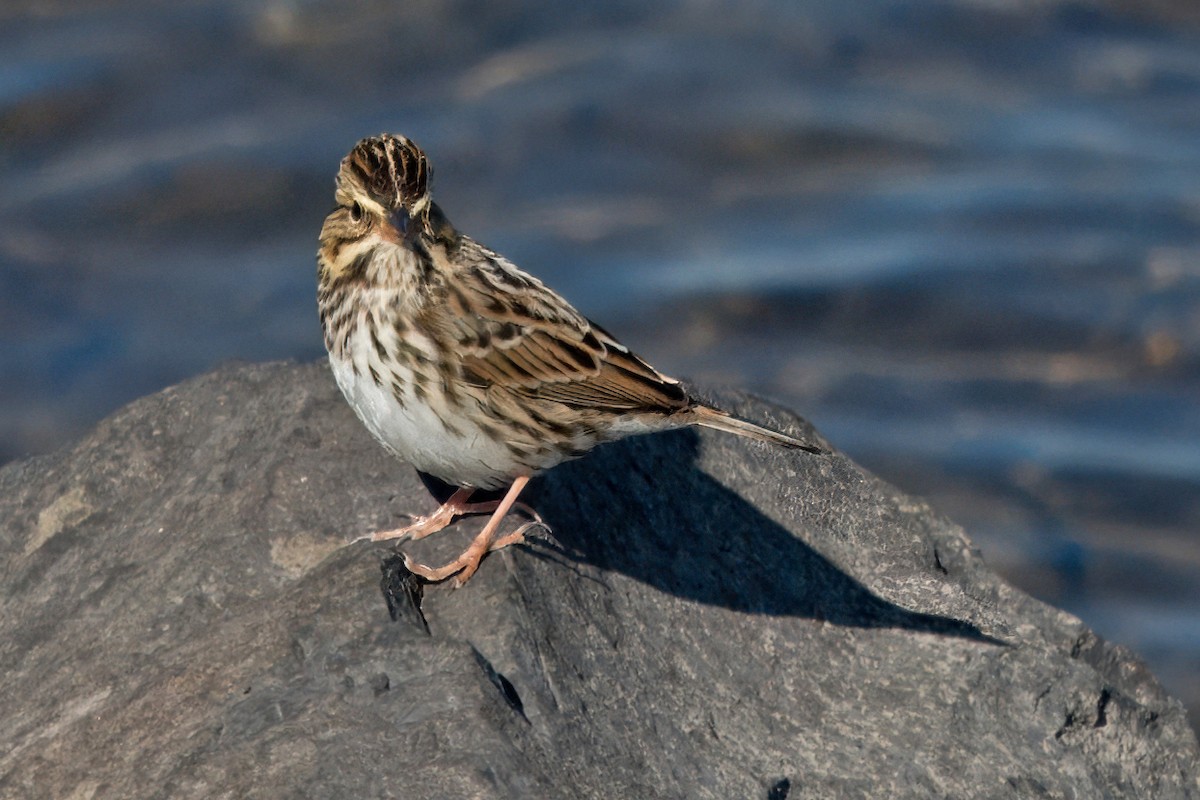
(356, 213)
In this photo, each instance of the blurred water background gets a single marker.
(962, 237)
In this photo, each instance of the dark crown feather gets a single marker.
(393, 170)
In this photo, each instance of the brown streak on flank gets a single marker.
(490, 431)
(412, 351)
(494, 413)
(372, 330)
(561, 429)
(345, 317)
(528, 431)
(451, 391)
(450, 427)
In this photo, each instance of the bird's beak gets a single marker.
(400, 222)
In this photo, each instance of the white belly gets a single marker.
(413, 432)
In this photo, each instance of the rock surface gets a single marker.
(713, 618)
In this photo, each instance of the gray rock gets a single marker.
(713, 618)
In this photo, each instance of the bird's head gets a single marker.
(382, 197)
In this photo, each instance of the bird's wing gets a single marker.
(515, 334)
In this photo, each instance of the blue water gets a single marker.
(962, 237)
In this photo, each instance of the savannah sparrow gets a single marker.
(463, 365)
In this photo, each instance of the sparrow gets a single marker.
(463, 365)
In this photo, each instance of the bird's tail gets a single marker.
(711, 418)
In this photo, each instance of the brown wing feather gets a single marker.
(518, 335)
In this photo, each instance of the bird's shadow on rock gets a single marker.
(642, 507)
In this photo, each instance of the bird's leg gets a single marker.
(455, 506)
(468, 560)
(421, 527)
(517, 536)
